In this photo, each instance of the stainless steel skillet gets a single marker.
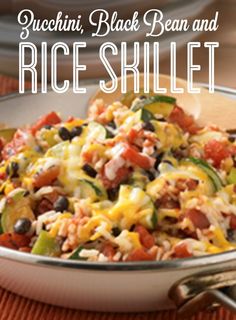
(141, 286)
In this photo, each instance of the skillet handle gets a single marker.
(204, 291)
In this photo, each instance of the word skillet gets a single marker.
(35, 65)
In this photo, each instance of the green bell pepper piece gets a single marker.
(46, 245)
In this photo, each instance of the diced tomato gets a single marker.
(20, 240)
(6, 241)
(181, 250)
(87, 156)
(141, 255)
(46, 178)
(121, 175)
(16, 145)
(216, 151)
(14, 240)
(185, 121)
(146, 239)
(108, 251)
(186, 184)
(136, 158)
(52, 196)
(191, 184)
(25, 249)
(233, 221)
(232, 150)
(43, 206)
(48, 119)
(133, 135)
(167, 202)
(198, 218)
(70, 119)
(3, 175)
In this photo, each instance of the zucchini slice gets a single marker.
(143, 115)
(146, 115)
(156, 105)
(212, 174)
(59, 150)
(75, 254)
(232, 176)
(92, 190)
(154, 219)
(98, 131)
(16, 207)
(129, 97)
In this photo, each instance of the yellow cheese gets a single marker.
(128, 241)
(213, 249)
(169, 135)
(170, 174)
(56, 225)
(8, 188)
(74, 123)
(220, 240)
(87, 232)
(172, 213)
(132, 207)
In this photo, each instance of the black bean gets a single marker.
(8, 169)
(148, 126)
(132, 227)
(61, 204)
(113, 193)
(115, 231)
(142, 97)
(150, 175)
(231, 235)
(12, 169)
(89, 170)
(38, 149)
(232, 138)
(158, 160)
(110, 134)
(48, 126)
(22, 226)
(168, 162)
(64, 134)
(76, 132)
(15, 167)
(111, 124)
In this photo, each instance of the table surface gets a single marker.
(14, 307)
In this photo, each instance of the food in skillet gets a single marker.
(137, 180)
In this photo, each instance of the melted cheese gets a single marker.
(169, 135)
(132, 207)
(56, 225)
(169, 174)
(171, 213)
(88, 231)
(128, 241)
